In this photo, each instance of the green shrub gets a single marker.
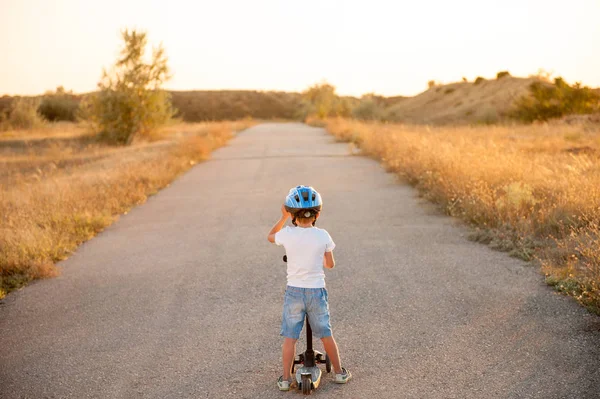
(546, 101)
(502, 74)
(130, 101)
(489, 117)
(449, 90)
(22, 114)
(431, 84)
(368, 109)
(321, 101)
(479, 79)
(59, 106)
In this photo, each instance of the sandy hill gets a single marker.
(485, 102)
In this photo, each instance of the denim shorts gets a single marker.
(301, 302)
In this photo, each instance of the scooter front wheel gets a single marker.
(327, 364)
(306, 384)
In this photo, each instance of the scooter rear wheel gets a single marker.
(327, 364)
(306, 385)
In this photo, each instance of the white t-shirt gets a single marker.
(305, 248)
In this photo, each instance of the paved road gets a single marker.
(182, 297)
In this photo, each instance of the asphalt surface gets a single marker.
(182, 297)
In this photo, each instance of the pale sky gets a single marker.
(388, 47)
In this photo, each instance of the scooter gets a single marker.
(308, 377)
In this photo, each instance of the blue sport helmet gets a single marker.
(303, 201)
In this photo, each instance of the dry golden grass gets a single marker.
(49, 130)
(530, 190)
(57, 193)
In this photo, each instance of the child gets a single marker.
(308, 250)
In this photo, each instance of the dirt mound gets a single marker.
(487, 101)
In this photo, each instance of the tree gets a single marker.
(320, 100)
(130, 100)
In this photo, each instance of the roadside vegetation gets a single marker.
(555, 100)
(22, 113)
(60, 186)
(503, 100)
(130, 101)
(528, 189)
(198, 106)
(189, 106)
(321, 101)
(63, 182)
(532, 191)
(59, 105)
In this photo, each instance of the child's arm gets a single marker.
(328, 261)
(279, 225)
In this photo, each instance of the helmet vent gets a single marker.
(314, 196)
(297, 198)
(305, 195)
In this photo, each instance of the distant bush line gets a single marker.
(197, 106)
(545, 100)
(191, 106)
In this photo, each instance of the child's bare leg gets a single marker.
(334, 355)
(289, 352)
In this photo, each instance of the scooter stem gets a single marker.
(309, 355)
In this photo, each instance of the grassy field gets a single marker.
(533, 191)
(60, 187)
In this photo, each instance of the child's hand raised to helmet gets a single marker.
(284, 213)
(279, 225)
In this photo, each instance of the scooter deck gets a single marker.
(315, 375)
